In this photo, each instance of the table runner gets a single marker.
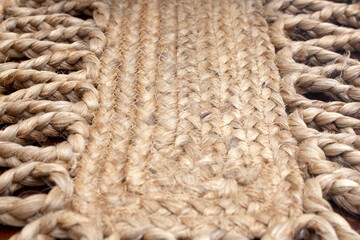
(153, 120)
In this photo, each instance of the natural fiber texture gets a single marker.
(318, 61)
(163, 119)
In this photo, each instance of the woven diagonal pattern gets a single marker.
(164, 119)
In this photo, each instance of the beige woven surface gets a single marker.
(166, 119)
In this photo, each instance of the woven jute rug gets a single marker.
(179, 119)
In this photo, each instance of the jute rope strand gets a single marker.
(87, 36)
(166, 119)
(326, 11)
(49, 65)
(101, 134)
(17, 211)
(73, 8)
(319, 218)
(326, 127)
(320, 166)
(60, 224)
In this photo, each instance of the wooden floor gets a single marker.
(7, 232)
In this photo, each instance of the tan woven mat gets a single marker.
(164, 119)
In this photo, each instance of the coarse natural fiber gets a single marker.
(317, 44)
(164, 119)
